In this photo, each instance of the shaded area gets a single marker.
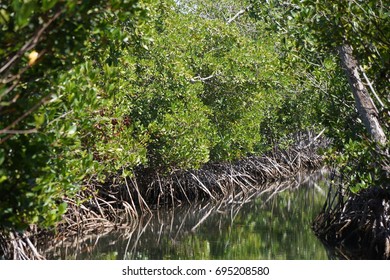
(272, 224)
(355, 226)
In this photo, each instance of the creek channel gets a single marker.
(274, 224)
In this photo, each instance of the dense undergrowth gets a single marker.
(143, 99)
(163, 90)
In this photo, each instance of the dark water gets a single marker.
(272, 225)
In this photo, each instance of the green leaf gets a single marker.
(62, 208)
(39, 120)
(3, 178)
(2, 156)
(4, 16)
(72, 130)
(23, 11)
(48, 4)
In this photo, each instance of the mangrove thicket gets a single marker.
(143, 103)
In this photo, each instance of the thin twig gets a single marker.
(241, 12)
(371, 87)
(30, 44)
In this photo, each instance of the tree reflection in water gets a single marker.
(274, 224)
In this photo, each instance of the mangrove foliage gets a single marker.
(134, 104)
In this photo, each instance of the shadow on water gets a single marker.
(274, 224)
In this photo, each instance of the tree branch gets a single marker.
(26, 131)
(371, 87)
(364, 104)
(30, 44)
(238, 14)
(22, 117)
(200, 79)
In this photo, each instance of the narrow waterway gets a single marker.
(273, 225)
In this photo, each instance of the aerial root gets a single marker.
(356, 226)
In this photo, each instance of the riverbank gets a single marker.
(122, 200)
(253, 227)
(355, 226)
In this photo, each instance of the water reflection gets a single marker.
(275, 224)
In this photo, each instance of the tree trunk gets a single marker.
(364, 104)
